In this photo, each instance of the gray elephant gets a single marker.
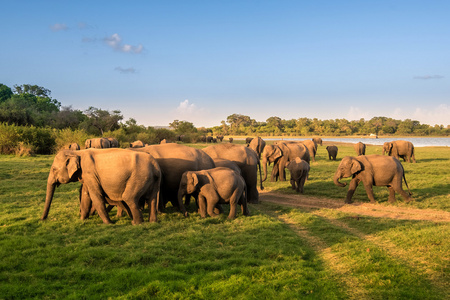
(257, 144)
(98, 143)
(220, 162)
(246, 159)
(248, 140)
(312, 147)
(299, 170)
(220, 137)
(203, 139)
(175, 159)
(73, 146)
(117, 176)
(397, 149)
(279, 154)
(114, 143)
(372, 170)
(214, 186)
(137, 144)
(360, 148)
(317, 141)
(230, 139)
(209, 139)
(332, 152)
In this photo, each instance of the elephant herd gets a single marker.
(223, 173)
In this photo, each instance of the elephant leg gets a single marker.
(293, 184)
(404, 194)
(85, 203)
(135, 211)
(369, 191)
(202, 205)
(351, 190)
(99, 205)
(281, 164)
(211, 204)
(274, 174)
(244, 206)
(391, 194)
(218, 209)
(302, 183)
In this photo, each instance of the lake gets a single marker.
(417, 141)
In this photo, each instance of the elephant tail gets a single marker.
(404, 178)
(260, 175)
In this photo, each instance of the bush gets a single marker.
(9, 138)
(68, 136)
(42, 140)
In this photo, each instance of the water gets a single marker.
(417, 141)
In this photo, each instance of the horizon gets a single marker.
(203, 61)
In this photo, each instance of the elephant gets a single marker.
(280, 153)
(317, 140)
(248, 140)
(137, 144)
(209, 139)
(312, 147)
(246, 159)
(117, 176)
(332, 152)
(360, 148)
(175, 159)
(257, 144)
(73, 146)
(214, 186)
(230, 139)
(372, 170)
(221, 162)
(203, 139)
(98, 143)
(113, 143)
(397, 149)
(220, 137)
(299, 170)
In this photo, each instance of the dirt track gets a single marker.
(365, 209)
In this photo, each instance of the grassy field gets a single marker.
(277, 252)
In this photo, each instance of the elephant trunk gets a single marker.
(51, 186)
(336, 178)
(265, 168)
(181, 194)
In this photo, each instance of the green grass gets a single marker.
(276, 253)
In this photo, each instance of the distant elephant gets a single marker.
(220, 137)
(175, 159)
(203, 139)
(209, 139)
(332, 152)
(113, 142)
(214, 186)
(279, 154)
(360, 148)
(214, 140)
(248, 140)
(135, 176)
(312, 147)
(246, 159)
(98, 143)
(397, 149)
(257, 144)
(73, 146)
(230, 139)
(299, 170)
(137, 144)
(317, 140)
(372, 170)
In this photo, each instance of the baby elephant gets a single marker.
(299, 173)
(218, 185)
(332, 152)
(372, 170)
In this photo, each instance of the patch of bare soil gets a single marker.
(366, 209)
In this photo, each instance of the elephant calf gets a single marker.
(332, 152)
(299, 170)
(214, 186)
(372, 170)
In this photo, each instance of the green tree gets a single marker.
(99, 121)
(5, 93)
(183, 127)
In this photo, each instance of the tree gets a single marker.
(100, 121)
(5, 93)
(183, 127)
(68, 118)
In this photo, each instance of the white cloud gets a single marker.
(439, 115)
(190, 112)
(427, 77)
(129, 70)
(115, 41)
(58, 27)
(186, 108)
(356, 113)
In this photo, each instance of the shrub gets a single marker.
(42, 140)
(9, 138)
(68, 136)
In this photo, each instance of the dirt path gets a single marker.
(366, 209)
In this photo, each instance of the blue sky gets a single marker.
(201, 61)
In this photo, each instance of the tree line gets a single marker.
(32, 106)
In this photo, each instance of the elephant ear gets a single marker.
(73, 164)
(192, 183)
(356, 166)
